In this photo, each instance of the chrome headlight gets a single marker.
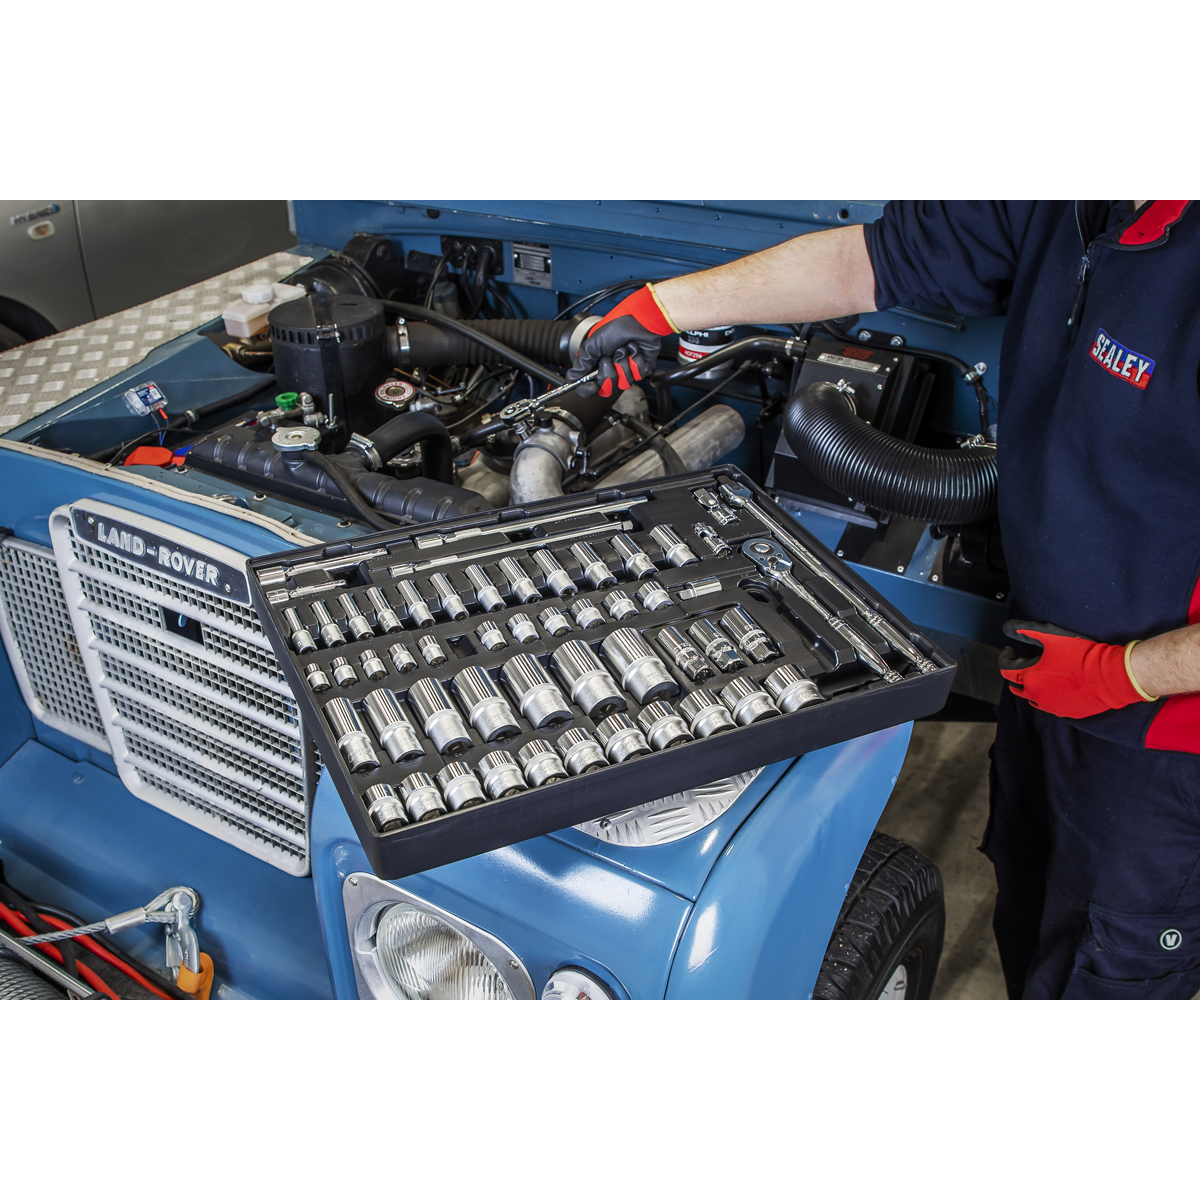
(405, 948)
(573, 983)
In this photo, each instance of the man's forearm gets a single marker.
(1168, 664)
(809, 278)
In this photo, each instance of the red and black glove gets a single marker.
(1070, 676)
(624, 346)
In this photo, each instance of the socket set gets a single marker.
(478, 681)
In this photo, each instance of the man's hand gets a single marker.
(624, 346)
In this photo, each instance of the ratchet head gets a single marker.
(736, 495)
(770, 557)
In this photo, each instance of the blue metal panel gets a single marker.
(17, 725)
(762, 923)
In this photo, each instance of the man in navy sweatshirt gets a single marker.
(1094, 829)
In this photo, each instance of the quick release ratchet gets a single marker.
(523, 408)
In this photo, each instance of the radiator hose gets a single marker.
(946, 487)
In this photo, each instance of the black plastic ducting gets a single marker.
(429, 346)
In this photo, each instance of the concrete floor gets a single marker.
(939, 806)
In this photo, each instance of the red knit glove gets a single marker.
(1071, 676)
(623, 346)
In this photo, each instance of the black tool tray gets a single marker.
(856, 699)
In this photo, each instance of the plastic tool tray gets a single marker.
(477, 681)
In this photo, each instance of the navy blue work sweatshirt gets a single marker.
(1099, 408)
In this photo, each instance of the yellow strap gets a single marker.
(1137, 687)
(662, 309)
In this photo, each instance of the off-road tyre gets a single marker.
(894, 915)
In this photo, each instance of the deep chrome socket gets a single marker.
(392, 730)
(349, 736)
(452, 602)
(641, 672)
(580, 752)
(327, 628)
(684, 655)
(747, 701)
(536, 694)
(675, 550)
(619, 606)
(522, 628)
(402, 658)
(523, 588)
(554, 623)
(359, 626)
(301, 640)
(490, 636)
(663, 726)
(414, 604)
(540, 764)
(714, 543)
(705, 714)
(459, 786)
(590, 685)
(431, 650)
(437, 717)
(385, 807)
(752, 641)
(486, 709)
(586, 614)
(636, 562)
(790, 690)
(654, 596)
(343, 673)
(487, 595)
(385, 614)
(621, 739)
(500, 774)
(422, 799)
(720, 650)
(372, 665)
(317, 680)
(595, 569)
(557, 579)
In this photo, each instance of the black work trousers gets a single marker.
(1096, 847)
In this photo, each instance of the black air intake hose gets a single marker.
(947, 487)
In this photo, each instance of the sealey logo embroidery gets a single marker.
(1122, 362)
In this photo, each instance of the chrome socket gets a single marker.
(641, 672)
(372, 665)
(422, 799)
(487, 595)
(636, 562)
(675, 550)
(554, 623)
(522, 587)
(431, 650)
(663, 726)
(619, 606)
(537, 696)
(414, 604)
(350, 737)
(317, 680)
(402, 658)
(327, 628)
(490, 636)
(580, 752)
(385, 807)
(557, 578)
(344, 674)
(522, 628)
(540, 764)
(301, 640)
(684, 655)
(714, 543)
(500, 774)
(653, 597)
(790, 690)
(452, 602)
(359, 626)
(586, 614)
(747, 701)
(392, 730)
(752, 641)
(595, 569)
(722, 514)
(385, 614)
(621, 739)
(486, 709)
(719, 649)
(459, 786)
(705, 714)
(590, 685)
(436, 716)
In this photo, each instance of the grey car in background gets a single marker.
(66, 262)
